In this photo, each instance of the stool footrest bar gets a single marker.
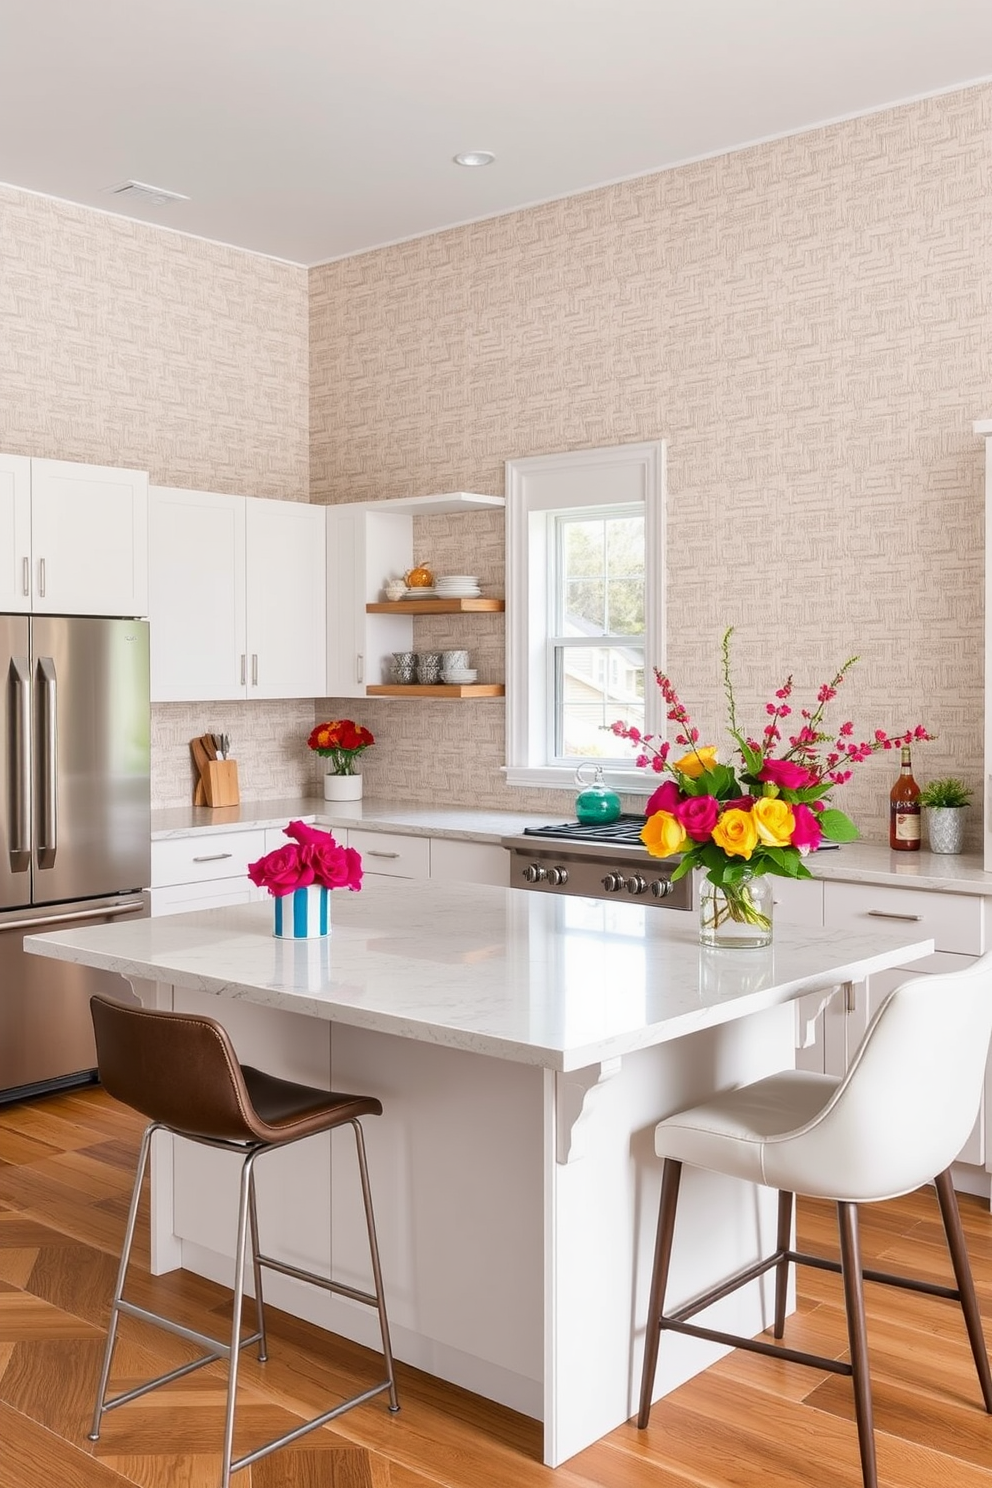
(289, 1436)
(320, 1281)
(758, 1346)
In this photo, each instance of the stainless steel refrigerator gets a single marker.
(74, 827)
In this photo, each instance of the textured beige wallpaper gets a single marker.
(122, 344)
(806, 322)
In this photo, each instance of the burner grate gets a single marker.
(625, 831)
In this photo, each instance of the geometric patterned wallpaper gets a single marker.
(126, 344)
(807, 322)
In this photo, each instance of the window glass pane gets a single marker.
(601, 576)
(595, 685)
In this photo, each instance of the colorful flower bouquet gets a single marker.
(340, 741)
(764, 813)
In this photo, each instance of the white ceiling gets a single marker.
(314, 129)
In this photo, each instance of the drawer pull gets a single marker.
(889, 914)
(374, 852)
(213, 857)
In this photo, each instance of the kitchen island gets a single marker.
(523, 1048)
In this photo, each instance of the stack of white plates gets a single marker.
(459, 676)
(457, 586)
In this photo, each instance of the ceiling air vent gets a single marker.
(140, 191)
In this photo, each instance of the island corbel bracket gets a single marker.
(575, 1097)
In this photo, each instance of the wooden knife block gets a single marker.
(220, 784)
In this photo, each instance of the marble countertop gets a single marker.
(457, 822)
(556, 982)
(855, 862)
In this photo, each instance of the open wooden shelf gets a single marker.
(435, 606)
(415, 689)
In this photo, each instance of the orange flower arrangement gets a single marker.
(340, 741)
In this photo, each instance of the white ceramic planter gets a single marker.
(342, 787)
(945, 828)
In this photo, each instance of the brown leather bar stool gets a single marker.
(181, 1071)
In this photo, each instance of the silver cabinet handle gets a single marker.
(359, 668)
(254, 669)
(48, 782)
(213, 857)
(79, 914)
(19, 852)
(889, 914)
(244, 669)
(26, 576)
(374, 852)
(41, 578)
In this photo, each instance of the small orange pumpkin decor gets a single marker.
(420, 577)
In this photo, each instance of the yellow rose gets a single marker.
(698, 762)
(736, 833)
(663, 834)
(774, 821)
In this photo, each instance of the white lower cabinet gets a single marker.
(392, 854)
(204, 872)
(829, 1029)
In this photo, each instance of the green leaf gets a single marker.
(836, 826)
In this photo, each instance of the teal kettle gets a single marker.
(596, 802)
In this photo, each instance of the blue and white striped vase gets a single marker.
(304, 914)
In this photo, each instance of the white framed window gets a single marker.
(585, 569)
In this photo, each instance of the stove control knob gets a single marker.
(558, 876)
(637, 884)
(661, 887)
(535, 873)
(614, 882)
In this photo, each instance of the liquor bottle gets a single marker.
(904, 809)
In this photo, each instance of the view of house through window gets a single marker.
(596, 631)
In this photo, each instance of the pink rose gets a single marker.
(665, 798)
(281, 871)
(301, 833)
(698, 814)
(807, 834)
(333, 866)
(785, 774)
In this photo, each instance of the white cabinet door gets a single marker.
(469, 862)
(196, 602)
(286, 623)
(89, 539)
(15, 534)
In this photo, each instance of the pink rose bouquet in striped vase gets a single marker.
(300, 876)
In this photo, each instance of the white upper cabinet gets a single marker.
(15, 533)
(287, 620)
(73, 538)
(236, 597)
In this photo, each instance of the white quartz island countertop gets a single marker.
(554, 982)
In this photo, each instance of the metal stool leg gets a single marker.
(387, 1351)
(854, 1302)
(785, 1206)
(263, 1347)
(247, 1171)
(670, 1180)
(950, 1214)
(132, 1217)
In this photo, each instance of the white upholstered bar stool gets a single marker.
(896, 1120)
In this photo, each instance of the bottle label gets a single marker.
(907, 823)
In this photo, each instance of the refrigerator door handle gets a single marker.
(48, 802)
(19, 852)
(80, 914)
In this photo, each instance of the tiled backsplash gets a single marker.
(268, 740)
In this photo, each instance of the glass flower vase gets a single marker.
(737, 914)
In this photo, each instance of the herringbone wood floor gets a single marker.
(65, 1170)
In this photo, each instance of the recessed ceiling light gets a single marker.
(475, 157)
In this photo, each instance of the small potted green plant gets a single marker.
(945, 802)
